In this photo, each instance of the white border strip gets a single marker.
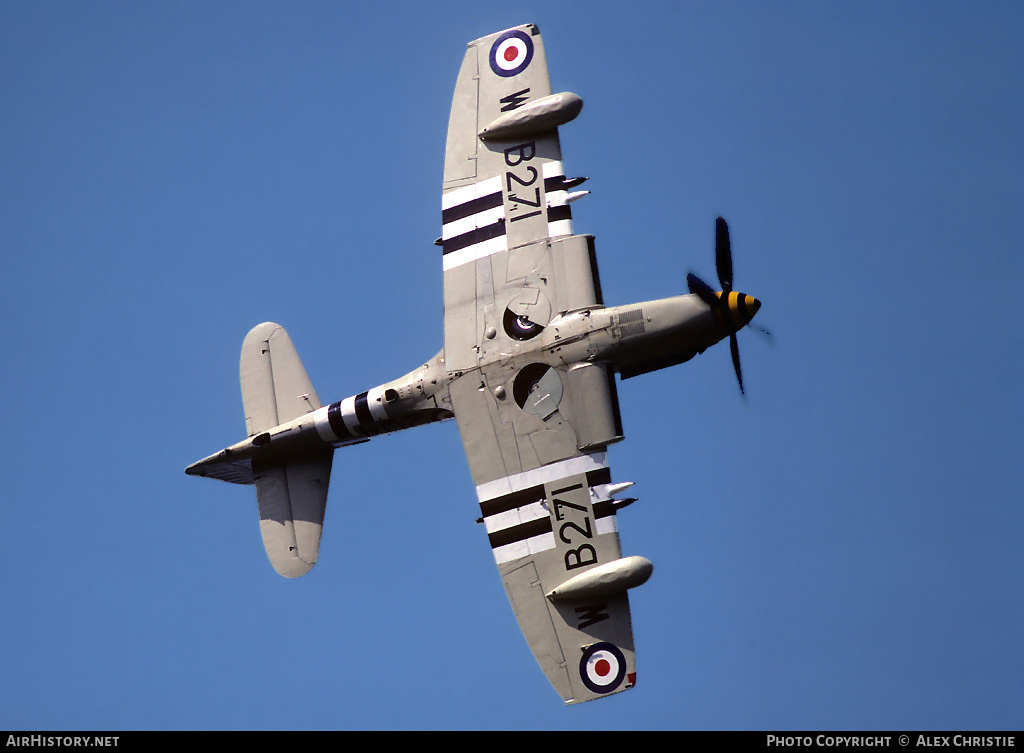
(473, 191)
(323, 426)
(511, 518)
(524, 548)
(475, 252)
(375, 401)
(348, 415)
(553, 472)
(472, 222)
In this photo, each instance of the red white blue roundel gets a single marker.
(602, 667)
(511, 53)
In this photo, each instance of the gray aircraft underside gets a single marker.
(527, 371)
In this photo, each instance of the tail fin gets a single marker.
(292, 492)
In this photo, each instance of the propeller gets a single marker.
(736, 311)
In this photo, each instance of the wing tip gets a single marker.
(533, 30)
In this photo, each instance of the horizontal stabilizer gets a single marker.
(275, 386)
(291, 476)
(224, 467)
(292, 497)
(275, 390)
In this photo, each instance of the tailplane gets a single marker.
(291, 488)
(275, 386)
(292, 497)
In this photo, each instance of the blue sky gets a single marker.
(839, 550)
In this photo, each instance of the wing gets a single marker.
(506, 222)
(555, 540)
(534, 427)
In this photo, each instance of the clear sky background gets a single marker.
(843, 549)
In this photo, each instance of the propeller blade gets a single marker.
(723, 264)
(735, 348)
(702, 289)
(723, 254)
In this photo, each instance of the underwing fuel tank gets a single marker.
(533, 117)
(607, 579)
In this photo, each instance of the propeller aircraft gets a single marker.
(527, 371)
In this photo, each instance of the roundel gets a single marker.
(602, 667)
(511, 53)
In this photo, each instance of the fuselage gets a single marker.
(632, 339)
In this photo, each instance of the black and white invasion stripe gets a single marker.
(354, 418)
(515, 512)
(473, 217)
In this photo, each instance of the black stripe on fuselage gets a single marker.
(337, 423)
(363, 409)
